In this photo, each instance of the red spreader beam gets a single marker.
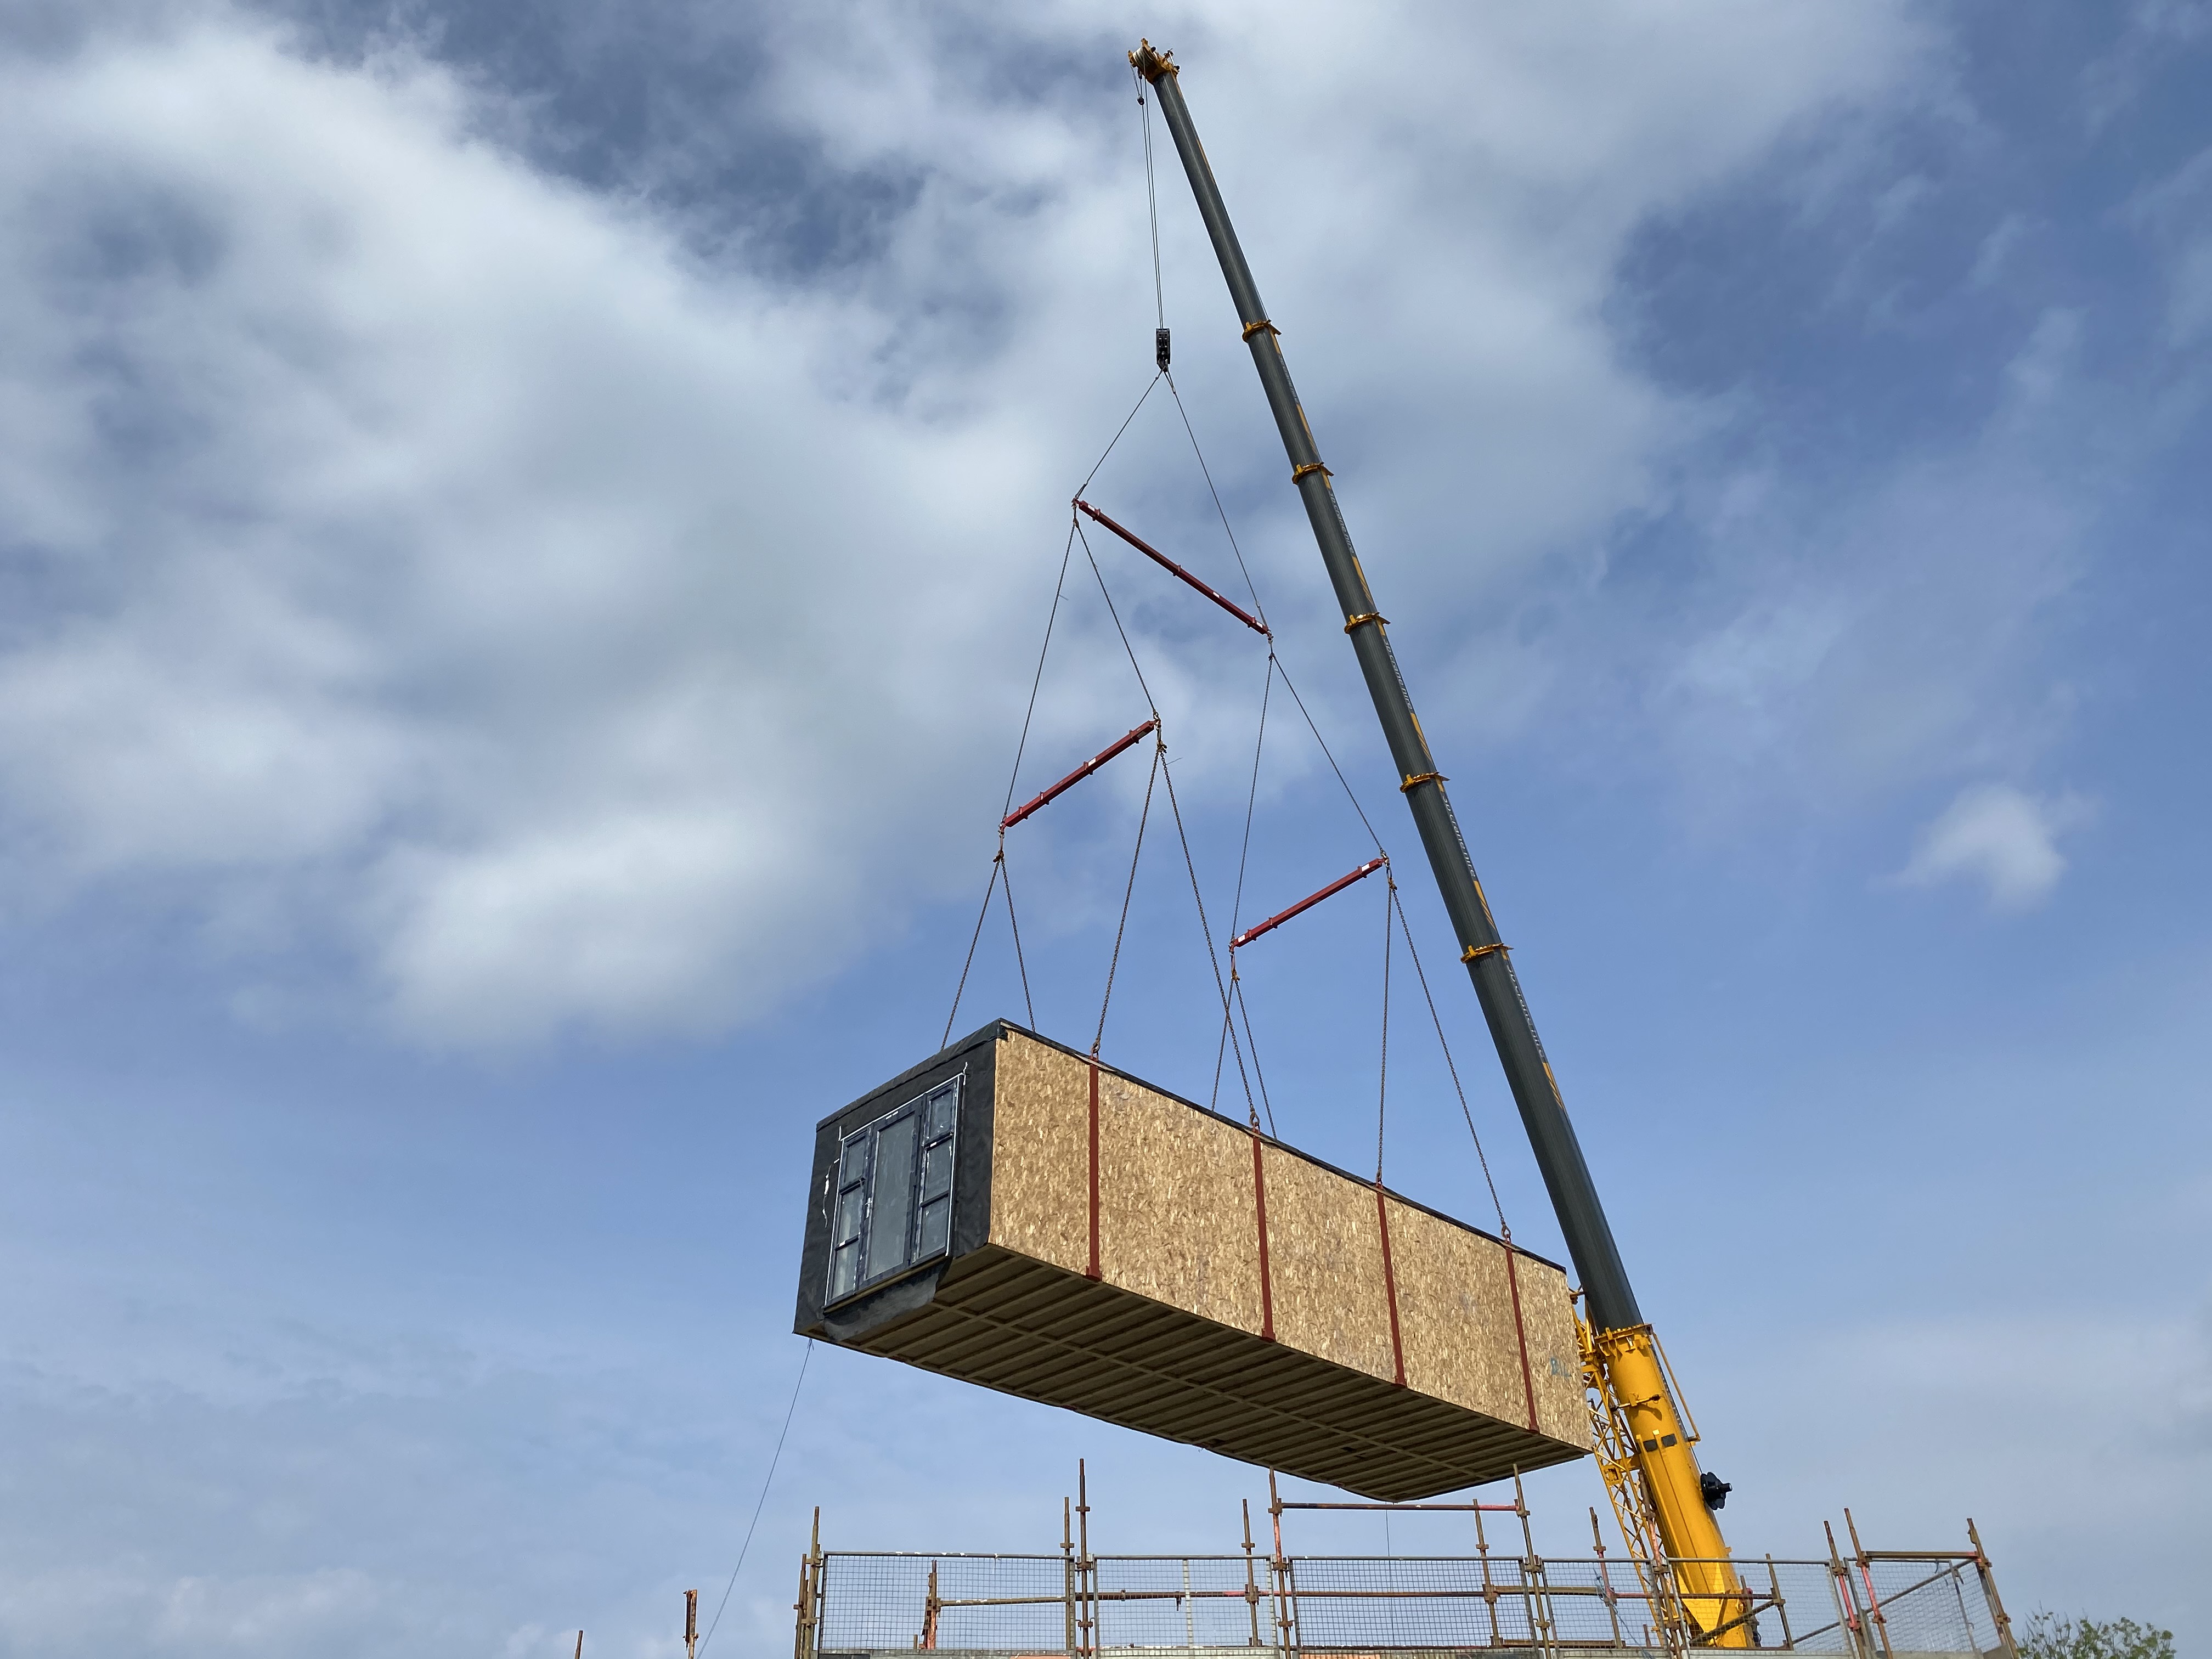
(1176, 570)
(1307, 903)
(1076, 776)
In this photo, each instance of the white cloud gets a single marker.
(448, 563)
(2173, 213)
(2000, 836)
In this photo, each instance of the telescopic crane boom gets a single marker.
(1645, 1444)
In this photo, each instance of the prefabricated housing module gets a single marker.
(1008, 1213)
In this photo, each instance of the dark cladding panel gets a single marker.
(935, 1223)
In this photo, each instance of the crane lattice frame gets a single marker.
(1613, 1444)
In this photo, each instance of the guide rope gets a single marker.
(774, 1458)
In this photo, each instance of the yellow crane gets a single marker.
(1645, 1440)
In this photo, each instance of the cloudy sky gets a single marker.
(528, 533)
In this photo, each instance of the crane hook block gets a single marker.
(1160, 348)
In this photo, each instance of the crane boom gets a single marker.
(1654, 1441)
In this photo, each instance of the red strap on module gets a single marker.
(1174, 570)
(1267, 1287)
(1092, 1271)
(1513, 1284)
(1307, 903)
(1390, 1286)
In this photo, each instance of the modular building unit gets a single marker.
(1010, 1214)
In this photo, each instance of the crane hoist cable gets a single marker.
(1152, 209)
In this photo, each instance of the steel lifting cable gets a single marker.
(1382, 1070)
(1115, 612)
(1136, 668)
(1244, 850)
(1028, 1003)
(1113, 963)
(1151, 386)
(1236, 903)
(1275, 662)
(1205, 931)
(1021, 747)
(1381, 1099)
(1220, 511)
(1350, 794)
(1037, 680)
(1451, 1066)
(1504, 1231)
(981, 915)
(1190, 866)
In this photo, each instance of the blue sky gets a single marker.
(525, 539)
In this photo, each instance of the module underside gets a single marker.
(1029, 1329)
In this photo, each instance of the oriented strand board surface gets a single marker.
(1040, 1154)
(1455, 1319)
(1177, 1221)
(1325, 1250)
(1168, 1340)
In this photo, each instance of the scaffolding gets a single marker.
(1503, 1599)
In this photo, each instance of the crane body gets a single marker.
(1646, 1445)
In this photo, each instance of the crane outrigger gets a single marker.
(1645, 1442)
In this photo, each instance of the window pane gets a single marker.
(848, 1215)
(852, 1162)
(937, 1171)
(942, 1106)
(893, 1208)
(936, 1228)
(844, 1269)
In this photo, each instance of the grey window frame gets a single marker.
(856, 1178)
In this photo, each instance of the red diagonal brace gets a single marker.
(1307, 902)
(1174, 570)
(1076, 776)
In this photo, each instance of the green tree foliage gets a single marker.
(2050, 1637)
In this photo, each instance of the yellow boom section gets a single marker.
(1645, 1449)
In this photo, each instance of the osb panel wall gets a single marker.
(1325, 1258)
(1562, 1409)
(1177, 1221)
(1455, 1320)
(1178, 1224)
(1040, 1154)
